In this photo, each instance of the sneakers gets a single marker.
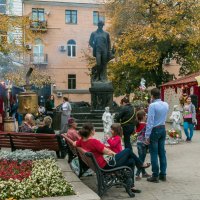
(153, 179)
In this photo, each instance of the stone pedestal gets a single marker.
(101, 95)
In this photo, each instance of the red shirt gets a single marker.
(94, 146)
(140, 127)
(115, 143)
(73, 134)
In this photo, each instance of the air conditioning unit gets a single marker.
(62, 48)
(59, 94)
(28, 47)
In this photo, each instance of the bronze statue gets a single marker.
(100, 42)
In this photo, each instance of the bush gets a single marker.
(25, 155)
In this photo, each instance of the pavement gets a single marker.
(183, 176)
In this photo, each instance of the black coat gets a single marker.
(126, 115)
(45, 129)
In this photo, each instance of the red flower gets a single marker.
(15, 169)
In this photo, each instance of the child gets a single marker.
(115, 140)
(141, 146)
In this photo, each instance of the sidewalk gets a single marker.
(183, 176)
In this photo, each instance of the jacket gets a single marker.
(126, 115)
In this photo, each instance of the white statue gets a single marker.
(142, 84)
(176, 119)
(107, 120)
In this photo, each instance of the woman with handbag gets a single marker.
(125, 158)
(189, 117)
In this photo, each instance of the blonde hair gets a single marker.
(28, 117)
(47, 121)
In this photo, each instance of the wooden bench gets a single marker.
(33, 141)
(5, 140)
(72, 151)
(105, 178)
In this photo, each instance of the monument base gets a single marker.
(101, 95)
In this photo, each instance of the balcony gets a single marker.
(39, 59)
(38, 25)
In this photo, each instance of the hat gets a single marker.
(71, 121)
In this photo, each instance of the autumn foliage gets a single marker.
(148, 32)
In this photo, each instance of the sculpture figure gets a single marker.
(176, 119)
(142, 84)
(100, 42)
(107, 120)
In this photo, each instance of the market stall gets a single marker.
(173, 90)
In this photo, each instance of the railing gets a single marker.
(39, 59)
(37, 25)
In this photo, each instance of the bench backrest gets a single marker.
(34, 141)
(5, 140)
(70, 144)
(88, 158)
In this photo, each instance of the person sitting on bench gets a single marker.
(125, 158)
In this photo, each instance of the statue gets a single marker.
(107, 120)
(100, 42)
(142, 84)
(176, 119)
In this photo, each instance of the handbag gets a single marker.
(111, 161)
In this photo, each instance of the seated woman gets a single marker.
(72, 133)
(47, 126)
(125, 158)
(28, 124)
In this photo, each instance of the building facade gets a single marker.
(65, 27)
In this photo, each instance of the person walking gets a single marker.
(155, 136)
(66, 112)
(189, 117)
(126, 117)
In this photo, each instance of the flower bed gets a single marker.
(31, 179)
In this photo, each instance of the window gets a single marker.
(3, 6)
(71, 48)
(38, 14)
(97, 16)
(71, 81)
(71, 16)
(38, 51)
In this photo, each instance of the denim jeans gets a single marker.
(142, 152)
(126, 158)
(157, 150)
(190, 126)
(127, 131)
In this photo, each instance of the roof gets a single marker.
(183, 80)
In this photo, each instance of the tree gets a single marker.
(148, 32)
(15, 33)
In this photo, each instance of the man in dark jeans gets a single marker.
(126, 117)
(155, 136)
